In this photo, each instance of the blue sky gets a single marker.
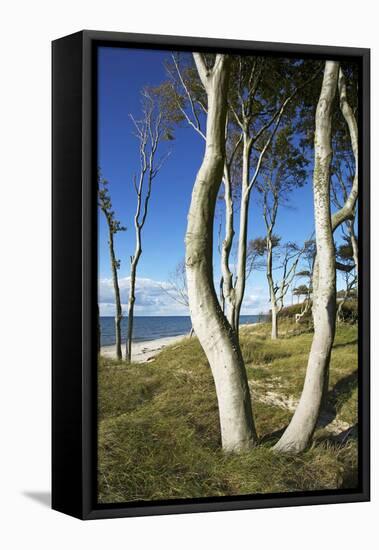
(122, 73)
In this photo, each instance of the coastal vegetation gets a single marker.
(237, 410)
(158, 421)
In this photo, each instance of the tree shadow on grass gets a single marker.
(272, 437)
(342, 438)
(341, 392)
(334, 440)
(337, 396)
(344, 344)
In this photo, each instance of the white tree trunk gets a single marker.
(210, 324)
(348, 209)
(242, 240)
(132, 285)
(354, 245)
(274, 323)
(227, 288)
(132, 299)
(347, 212)
(270, 280)
(300, 430)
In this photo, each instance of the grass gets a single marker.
(159, 432)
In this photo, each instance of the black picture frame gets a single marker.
(74, 274)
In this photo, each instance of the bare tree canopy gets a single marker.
(153, 128)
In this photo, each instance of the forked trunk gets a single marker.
(210, 324)
(300, 430)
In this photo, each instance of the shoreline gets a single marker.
(145, 351)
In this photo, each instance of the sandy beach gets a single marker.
(143, 352)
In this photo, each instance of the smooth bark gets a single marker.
(270, 222)
(354, 245)
(226, 286)
(232, 291)
(300, 430)
(347, 211)
(215, 334)
(132, 299)
(271, 286)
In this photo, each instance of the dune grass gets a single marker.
(159, 436)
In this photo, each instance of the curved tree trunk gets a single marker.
(347, 212)
(300, 430)
(210, 324)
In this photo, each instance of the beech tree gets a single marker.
(282, 172)
(278, 289)
(114, 227)
(347, 211)
(300, 430)
(340, 184)
(215, 334)
(150, 130)
(280, 263)
(258, 133)
(256, 106)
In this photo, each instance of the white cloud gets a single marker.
(152, 297)
(255, 301)
(157, 298)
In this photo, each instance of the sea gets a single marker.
(153, 328)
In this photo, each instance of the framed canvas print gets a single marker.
(210, 275)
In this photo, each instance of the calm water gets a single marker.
(151, 328)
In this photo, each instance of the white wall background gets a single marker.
(27, 29)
